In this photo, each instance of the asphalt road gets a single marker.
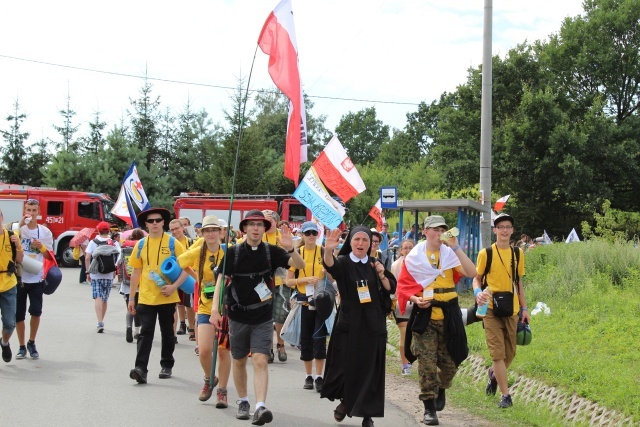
(82, 377)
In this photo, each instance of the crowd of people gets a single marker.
(246, 284)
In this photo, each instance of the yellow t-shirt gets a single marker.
(441, 283)
(154, 251)
(191, 258)
(272, 239)
(7, 281)
(313, 266)
(185, 242)
(500, 275)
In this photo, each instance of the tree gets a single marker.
(95, 141)
(39, 158)
(67, 130)
(144, 128)
(14, 155)
(362, 135)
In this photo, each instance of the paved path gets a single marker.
(82, 378)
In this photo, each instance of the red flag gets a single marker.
(376, 213)
(278, 40)
(335, 169)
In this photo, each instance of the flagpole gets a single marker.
(226, 251)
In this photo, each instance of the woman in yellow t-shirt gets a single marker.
(313, 332)
(205, 260)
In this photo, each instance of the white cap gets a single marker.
(222, 223)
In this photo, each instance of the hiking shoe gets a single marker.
(430, 416)
(505, 402)
(406, 371)
(129, 334)
(262, 416)
(182, 329)
(221, 395)
(165, 373)
(318, 383)
(22, 352)
(282, 355)
(139, 375)
(271, 357)
(100, 327)
(6, 352)
(205, 393)
(31, 346)
(440, 399)
(308, 383)
(492, 385)
(192, 335)
(244, 408)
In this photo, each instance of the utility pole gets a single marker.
(485, 123)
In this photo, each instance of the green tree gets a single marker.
(95, 141)
(362, 135)
(67, 130)
(14, 154)
(144, 124)
(39, 158)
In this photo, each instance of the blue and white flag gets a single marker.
(313, 194)
(133, 187)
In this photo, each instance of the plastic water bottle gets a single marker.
(157, 278)
(482, 309)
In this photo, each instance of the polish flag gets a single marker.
(376, 213)
(120, 208)
(278, 40)
(501, 202)
(337, 172)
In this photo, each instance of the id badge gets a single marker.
(427, 293)
(263, 291)
(363, 294)
(309, 289)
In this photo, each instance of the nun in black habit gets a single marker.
(355, 367)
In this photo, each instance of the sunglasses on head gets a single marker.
(152, 220)
(32, 202)
(310, 233)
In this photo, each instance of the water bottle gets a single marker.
(157, 278)
(481, 311)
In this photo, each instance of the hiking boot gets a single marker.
(367, 422)
(100, 327)
(221, 395)
(6, 352)
(139, 375)
(505, 402)
(308, 383)
(430, 416)
(406, 371)
(165, 373)
(492, 385)
(192, 334)
(129, 334)
(22, 352)
(205, 393)
(271, 357)
(31, 346)
(182, 329)
(244, 409)
(440, 400)
(282, 355)
(318, 383)
(262, 416)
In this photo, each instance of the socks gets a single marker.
(4, 344)
(244, 399)
(259, 404)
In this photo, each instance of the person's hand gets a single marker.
(422, 303)
(216, 319)
(526, 318)
(482, 298)
(332, 239)
(379, 269)
(452, 242)
(312, 280)
(15, 238)
(285, 239)
(36, 243)
(167, 290)
(131, 306)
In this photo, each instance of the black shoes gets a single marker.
(318, 383)
(282, 355)
(129, 334)
(182, 329)
(139, 375)
(271, 357)
(441, 400)
(164, 373)
(430, 416)
(308, 383)
(340, 412)
(367, 422)
(492, 385)
(6, 353)
(262, 416)
(505, 402)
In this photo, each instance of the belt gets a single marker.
(443, 290)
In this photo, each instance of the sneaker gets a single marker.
(262, 416)
(196, 351)
(244, 409)
(100, 327)
(22, 352)
(406, 371)
(271, 357)
(182, 329)
(221, 395)
(308, 383)
(6, 352)
(492, 385)
(205, 393)
(31, 346)
(129, 334)
(282, 355)
(164, 373)
(505, 402)
(139, 375)
(136, 335)
(318, 383)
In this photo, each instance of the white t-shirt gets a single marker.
(27, 235)
(92, 247)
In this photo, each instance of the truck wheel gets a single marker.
(65, 254)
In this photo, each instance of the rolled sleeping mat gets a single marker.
(31, 265)
(171, 270)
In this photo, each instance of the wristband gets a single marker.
(291, 251)
(132, 299)
(43, 249)
(476, 291)
(524, 309)
(455, 248)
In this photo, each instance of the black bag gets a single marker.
(106, 263)
(503, 304)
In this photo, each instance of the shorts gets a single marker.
(8, 304)
(501, 336)
(185, 299)
(203, 319)
(101, 288)
(34, 291)
(281, 308)
(250, 338)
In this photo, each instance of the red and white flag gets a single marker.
(376, 213)
(335, 169)
(120, 208)
(278, 40)
(501, 202)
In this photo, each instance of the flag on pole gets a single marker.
(547, 239)
(376, 213)
(573, 236)
(313, 194)
(123, 209)
(501, 202)
(133, 187)
(335, 169)
(278, 40)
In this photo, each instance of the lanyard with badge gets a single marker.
(153, 274)
(362, 286)
(310, 288)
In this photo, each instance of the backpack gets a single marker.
(11, 266)
(76, 253)
(106, 263)
(487, 267)
(125, 270)
(172, 246)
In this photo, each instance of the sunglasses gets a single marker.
(311, 233)
(32, 202)
(152, 220)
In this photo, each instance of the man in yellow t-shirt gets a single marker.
(8, 290)
(153, 300)
(504, 276)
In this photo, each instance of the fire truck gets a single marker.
(63, 212)
(196, 206)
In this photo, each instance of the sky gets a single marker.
(391, 54)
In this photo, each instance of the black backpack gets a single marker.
(11, 267)
(106, 263)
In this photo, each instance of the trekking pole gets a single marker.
(214, 359)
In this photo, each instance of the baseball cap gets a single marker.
(435, 221)
(502, 217)
(102, 225)
(309, 225)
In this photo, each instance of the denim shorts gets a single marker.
(203, 319)
(8, 304)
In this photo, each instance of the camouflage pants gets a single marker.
(435, 367)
